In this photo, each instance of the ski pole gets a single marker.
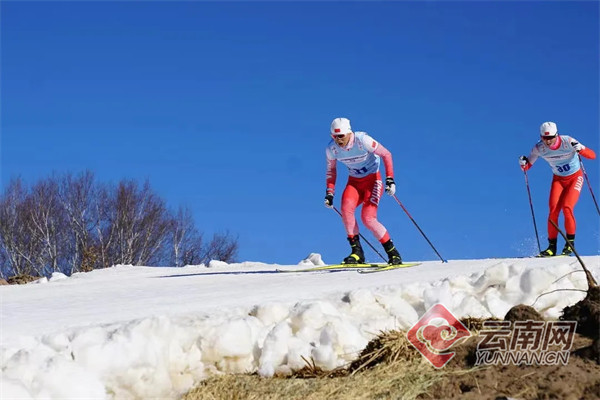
(532, 213)
(422, 233)
(590, 278)
(363, 238)
(589, 186)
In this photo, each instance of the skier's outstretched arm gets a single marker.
(330, 177)
(582, 150)
(527, 162)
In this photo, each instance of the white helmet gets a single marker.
(340, 126)
(548, 129)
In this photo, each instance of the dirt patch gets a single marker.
(21, 279)
(462, 379)
(522, 312)
(586, 312)
(579, 379)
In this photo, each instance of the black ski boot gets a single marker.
(357, 256)
(568, 249)
(551, 250)
(392, 252)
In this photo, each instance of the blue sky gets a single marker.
(225, 108)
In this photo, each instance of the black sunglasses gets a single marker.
(341, 136)
(548, 137)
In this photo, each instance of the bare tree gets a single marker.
(154, 224)
(222, 247)
(47, 222)
(4, 262)
(77, 196)
(106, 214)
(12, 233)
(187, 243)
(141, 224)
(184, 238)
(192, 254)
(73, 223)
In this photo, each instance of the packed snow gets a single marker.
(146, 332)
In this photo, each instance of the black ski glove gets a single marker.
(390, 186)
(329, 200)
(577, 146)
(524, 162)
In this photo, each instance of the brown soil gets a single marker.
(522, 312)
(462, 379)
(586, 313)
(579, 379)
(21, 279)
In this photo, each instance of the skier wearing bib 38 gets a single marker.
(361, 154)
(560, 151)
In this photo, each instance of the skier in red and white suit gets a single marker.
(560, 151)
(361, 154)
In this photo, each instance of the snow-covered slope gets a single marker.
(128, 332)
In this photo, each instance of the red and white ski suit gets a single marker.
(362, 157)
(567, 179)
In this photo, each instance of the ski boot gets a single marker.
(392, 252)
(568, 249)
(357, 256)
(550, 251)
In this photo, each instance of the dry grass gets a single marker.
(388, 368)
(388, 348)
(399, 380)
